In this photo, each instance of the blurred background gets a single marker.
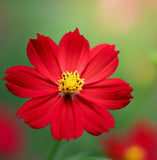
(130, 24)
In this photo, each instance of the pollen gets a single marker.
(135, 153)
(70, 83)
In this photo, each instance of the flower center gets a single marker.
(70, 83)
(135, 153)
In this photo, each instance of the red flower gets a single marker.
(11, 140)
(139, 143)
(68, 87)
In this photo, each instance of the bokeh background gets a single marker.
(130, 24)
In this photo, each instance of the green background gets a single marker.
(21, 20)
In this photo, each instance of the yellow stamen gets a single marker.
(70, 83)
(135, 153)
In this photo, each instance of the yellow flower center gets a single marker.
(70, 83)
(134, 153)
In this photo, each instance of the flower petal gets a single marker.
(114, 147)
(42, 54)
(73, 52)
(37, 111)
(96, 119)
(143, 133)
(66, 120)
(111, 93)
(26, 82)
(103, 62)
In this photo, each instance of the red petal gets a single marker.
(67, 121)
(111, 93)
(143, 134)
(42, 54)
(37, 111)
(73, 52)
(96, 119)
(114, 147)
(103, 62)
(26, 82)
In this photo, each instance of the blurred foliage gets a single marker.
(88, 158)
(153, 56)
(21, 20)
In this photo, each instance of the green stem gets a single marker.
(54, 151)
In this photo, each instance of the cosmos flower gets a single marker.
(69, 86)
(139, 143)
(11, 134)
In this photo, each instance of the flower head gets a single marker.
(139, 143)
(11, 134)
(69, 86)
